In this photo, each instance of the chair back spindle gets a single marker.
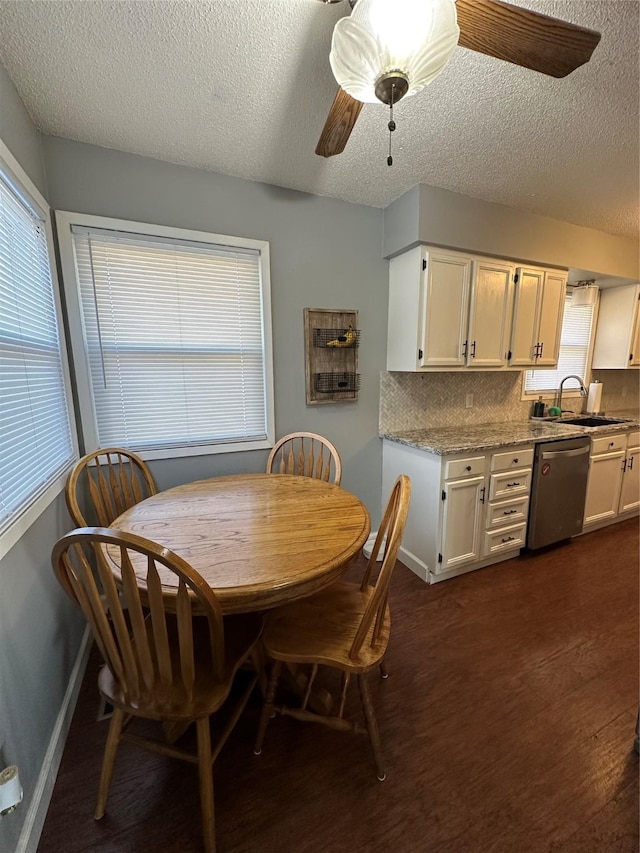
(147, 648)
(307, 455)
(113, 480)
(389, 536)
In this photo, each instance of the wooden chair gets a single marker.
(175, 667)
(307, 454)
(114, 480)
(345, 627)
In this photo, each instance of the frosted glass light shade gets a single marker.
(585, 295)
(416, 37)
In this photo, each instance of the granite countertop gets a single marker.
(460, 439)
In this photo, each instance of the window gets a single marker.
(175, 343)
(575, 352)
(36, 440)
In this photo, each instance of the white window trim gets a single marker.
(569, 392)
(64, 221)
(24, 520)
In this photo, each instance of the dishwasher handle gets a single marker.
(556, 454)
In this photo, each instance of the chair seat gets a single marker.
(171, 702)
(321, 629)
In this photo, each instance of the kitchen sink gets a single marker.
(589, 421)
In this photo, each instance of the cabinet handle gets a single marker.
(630, 462)
(473, 349)
(630, 356)
(541, 345)
(508, 538)
(515, 461)
(611, 443)
(464, 349)
(509, 485)
(468, 468)
(509, 511)
(482, 491)
(624, 466)
(535, 351)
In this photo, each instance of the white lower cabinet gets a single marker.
(461, 520)
(467, 511)
(630, 489)
(613, 487)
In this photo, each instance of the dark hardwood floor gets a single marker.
(507, 724)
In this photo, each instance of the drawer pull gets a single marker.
(515, 461)
(508, 538)
(511, 485)
(611, 443)
(509, 511)
(468, 468)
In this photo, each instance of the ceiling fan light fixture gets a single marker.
(415, 38)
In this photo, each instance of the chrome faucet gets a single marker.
(558, 400)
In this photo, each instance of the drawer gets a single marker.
(456, 468)
(505, 539)
(507, 512)
(516, 458)
(609, 443)
(510, 484)
(633, 439)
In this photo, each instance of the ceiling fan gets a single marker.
(367, 68)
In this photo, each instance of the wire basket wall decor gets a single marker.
(337, 338)
(331, 340)
(336, 383)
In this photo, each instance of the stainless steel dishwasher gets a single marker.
(558, 490)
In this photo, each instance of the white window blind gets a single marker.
(36, 442)
(174, 338)
(575, 342)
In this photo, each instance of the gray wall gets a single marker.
(18, 132)
(40, 630)
(324, 254)
(443, 218)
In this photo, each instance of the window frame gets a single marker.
(65, 220)
(567, 392)
(20, 523)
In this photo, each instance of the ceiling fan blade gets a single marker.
(339, 124)
(523, 37)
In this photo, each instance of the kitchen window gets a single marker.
(171, 335)
(576, 344)
(37, 443)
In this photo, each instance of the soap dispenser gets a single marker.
(538, 408)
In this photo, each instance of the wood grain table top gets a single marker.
(258, 539)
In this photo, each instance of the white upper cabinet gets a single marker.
(490, 313)
(537, 317)
(448, 310)
(428, 309)
(617, 340)
(444, 308)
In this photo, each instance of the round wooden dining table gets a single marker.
(259, 540)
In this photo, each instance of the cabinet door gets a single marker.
(461, 522)
(445, 309)
(617, 338)
(490, 314)
(603, 487)
(524, 334)
(550, 318)
(630, 491)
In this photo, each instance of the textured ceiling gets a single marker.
(243, 87)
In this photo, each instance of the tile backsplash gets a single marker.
(423, 400)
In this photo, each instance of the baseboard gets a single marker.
(34, 821)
